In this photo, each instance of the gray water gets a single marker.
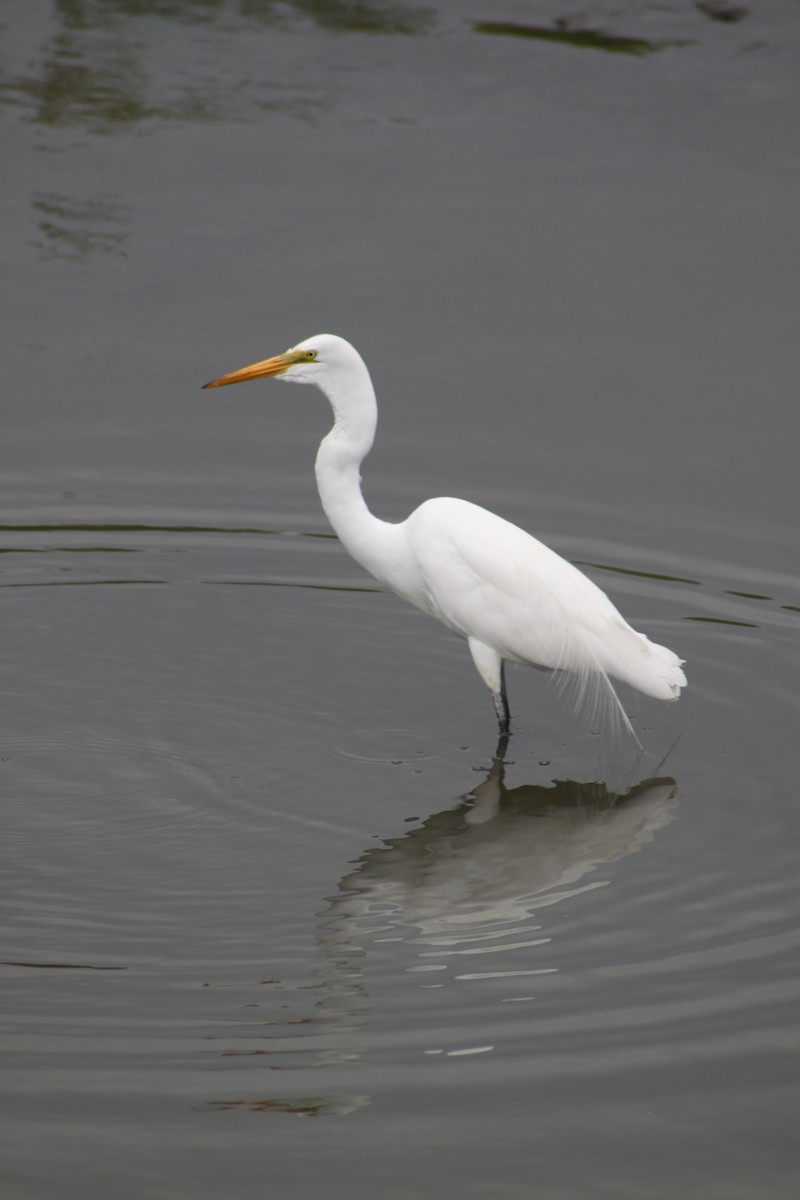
(277, 919)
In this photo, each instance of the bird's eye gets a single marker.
(311, 355)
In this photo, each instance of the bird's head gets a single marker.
(304, 363)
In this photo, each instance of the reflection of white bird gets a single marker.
(505, 853)
(509, 595)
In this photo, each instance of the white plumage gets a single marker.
(508, 594)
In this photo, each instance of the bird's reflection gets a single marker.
(468, 881)
(460, 893)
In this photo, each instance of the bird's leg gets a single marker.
(492, 671)
(501, 705)
(499, 759)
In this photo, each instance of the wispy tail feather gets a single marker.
(594, 696)
(587, 661)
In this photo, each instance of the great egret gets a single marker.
(508, 594)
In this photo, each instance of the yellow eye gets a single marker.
(311, 355)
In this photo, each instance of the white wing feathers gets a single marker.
(486, 578)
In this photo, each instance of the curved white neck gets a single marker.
(337, 465)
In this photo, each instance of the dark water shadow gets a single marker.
(565, 34)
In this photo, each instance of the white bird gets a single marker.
(509, 595)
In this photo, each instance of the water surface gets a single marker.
(280, 915)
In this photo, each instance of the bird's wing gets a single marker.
(487, 579)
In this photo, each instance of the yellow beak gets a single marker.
(270, 366)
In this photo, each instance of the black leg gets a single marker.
(501, 704)
(498, 762)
